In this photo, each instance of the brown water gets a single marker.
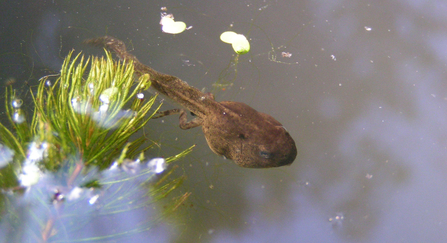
(364, 95)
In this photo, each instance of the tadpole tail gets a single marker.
(119, 48)
(112, 44)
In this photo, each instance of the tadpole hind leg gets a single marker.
(161, 114)
(185, 124)
(183, 120)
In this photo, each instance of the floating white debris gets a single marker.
(140, 96)
(238, 41)
(286, 54)
(168, 25)
(368, 28)
(157, 165)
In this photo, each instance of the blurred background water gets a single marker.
(363, 94)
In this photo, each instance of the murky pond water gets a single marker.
(361, 86)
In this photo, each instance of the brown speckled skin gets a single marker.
(232, 129)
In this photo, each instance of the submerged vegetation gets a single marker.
(77, 151)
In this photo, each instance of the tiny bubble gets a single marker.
(337, 220)
(140, 96)
(18, 117)
(17, 103)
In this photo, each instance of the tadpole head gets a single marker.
(250, 138)
(274, 148)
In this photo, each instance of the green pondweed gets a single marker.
(78, 149)
(85, 111)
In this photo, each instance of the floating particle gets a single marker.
(286, 54)
(333, 58)
(58, 196)
(188, 62)
(367, 28)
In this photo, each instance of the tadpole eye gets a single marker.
(241, 135)
(265, 155)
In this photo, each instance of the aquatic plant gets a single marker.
(78, 148)
(239, 42)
